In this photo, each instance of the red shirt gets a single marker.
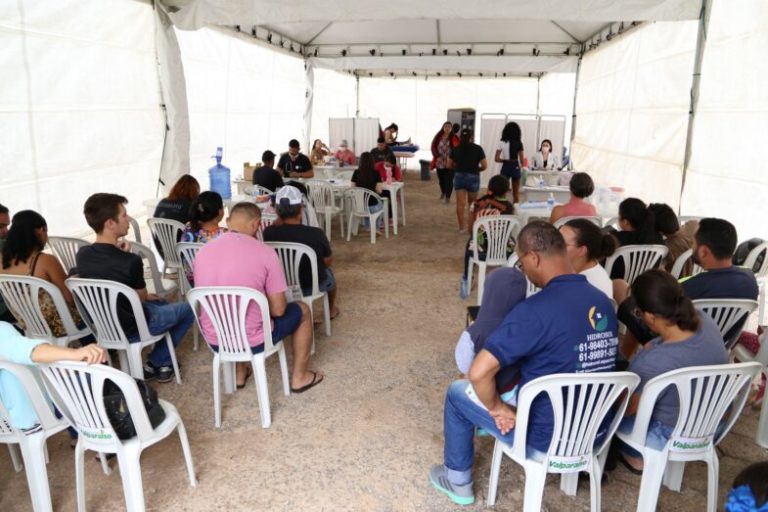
(396, 174)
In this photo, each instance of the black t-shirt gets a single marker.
(267, 177)
(467, 158)
(175, 210)
(380, 156)
(106, 261)
(307, 235)
(367, 180)
(301, 164)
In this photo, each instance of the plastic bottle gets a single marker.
(551, 201)
(389, 174)
(219, 177)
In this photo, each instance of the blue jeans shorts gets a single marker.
(466, 181)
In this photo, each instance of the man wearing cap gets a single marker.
(381, 151)
(345, 156)
(238, 258)
(294, 164)
(266, 175)
(290, 229)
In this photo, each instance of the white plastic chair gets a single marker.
(752, 260)
(531, 288)
(498, 229)
(679, 265)
(321, 194)
(160, 285)
(310, 216)
(33, 449)
(357, 199)
(580, 403)
(684, 219)
(256, 190)
(291, 256)
(344, 175)
(612, 222)
(65, 248)
(637, 259)
(77, 389)
(741, 354)
(186, 251)
(226, 309)
(597, 221)
(21, 294)
(706, 394)
(97, 302)
(266, 221)
(727, 313)
(167, 232)
(136, 229)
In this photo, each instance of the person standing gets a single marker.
(468, 160)
(295, 164)
(509, 153)
(442, 143)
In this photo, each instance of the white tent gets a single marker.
(111, 94)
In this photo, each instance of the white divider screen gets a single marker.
(334, 97)
(341, 129)
(366, 134)
(727, 176)
(242, 96)
(79, 107)
(491, 126)
(552, 128)
(632, 108)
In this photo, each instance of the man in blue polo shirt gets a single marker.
(568, 327)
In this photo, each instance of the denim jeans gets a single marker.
(175, 318)
(467, 181)
(657, 437)
(460, 417)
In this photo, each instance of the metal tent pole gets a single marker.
(573, 113)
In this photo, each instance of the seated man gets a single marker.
(381, 152)
(294, 164)
(238, 258)
(266, 176)
(569, 326)
(345, 156)
(290, 229)
(713, 248)
(110, 258)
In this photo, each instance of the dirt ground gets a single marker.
(366, 437)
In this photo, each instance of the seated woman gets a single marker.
(207, 212)
(319, 152)
(23, 256)
(587, 245)
(687, 337)
(637, 228)
(389, 162)
(494, 202)
(668, 226)
(544, 159)
(176, 206)
(581, 187)
(365, 176)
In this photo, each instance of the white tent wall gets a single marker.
(726, 175)
(241, 95)
(79, 106)
(632, 110)
(556, 98)
(334, 97)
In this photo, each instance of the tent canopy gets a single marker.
(404, 37)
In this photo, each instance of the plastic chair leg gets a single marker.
(481, 269)
(372, 219)
(535, 478)
(195, 337)
(216, 391)
(80, 476)
(493, 479)
(174, 361)
(653, 472)
(135, 364)
(187, 453)
(762, 424)
(262, 392)
(327, 314)
(130, 474)
(713, 468)
(328, 219)
(13, 449)
(595, 476)
(284, 369)
(33, 452)
(125, 365)
(569, 483)
(673, 475)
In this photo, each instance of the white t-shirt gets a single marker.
(599, 278)
(503, 146)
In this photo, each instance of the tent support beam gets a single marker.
(701, 43)
(357, 95)
(309, 100)
(575, 97)
(319, 33)
(565, 31)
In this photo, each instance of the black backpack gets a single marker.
(117, 410)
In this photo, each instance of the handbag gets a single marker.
(117, 409)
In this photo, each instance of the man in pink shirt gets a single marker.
(238, 258)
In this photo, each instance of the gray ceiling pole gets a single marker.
(357, 95)
(701, 43)
(575, 96)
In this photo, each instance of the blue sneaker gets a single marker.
(459, 494)
(463, 288)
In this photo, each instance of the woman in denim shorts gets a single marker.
(509, 153)
(468, 159)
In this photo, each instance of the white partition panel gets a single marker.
(632, 108)
(334, 94)
(79, 107)
(490, 134)
(366, 133)
(727, 176)
(341, 129)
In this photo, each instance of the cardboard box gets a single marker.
(248, 171)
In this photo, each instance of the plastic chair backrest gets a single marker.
(320, 194)
(266, 221)
(597, 221)
(531, 288)
(611, 222)
(97, 302)
(146, 254)
(580, 402)
(680, 263)
(727, 313)
(637, 259)
(22, 295)
(499, 229)
(256, 190)
(359, 198)
(186, 252)
(65, 248)
(291, 255)
(167, 232)
(752, 257)
(36, 396)
(706, 394)
(77, 389)
(309, 213)
(226, 308)
(136, 229)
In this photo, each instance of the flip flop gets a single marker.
(248, 373)
(334, 317)
(629, 466)
(312, 384)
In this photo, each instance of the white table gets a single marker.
(550, 178)
(526, 214)
(324, 172)
(561, 194)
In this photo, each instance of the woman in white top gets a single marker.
(544, 159)
(586, 245)
(510, 154)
